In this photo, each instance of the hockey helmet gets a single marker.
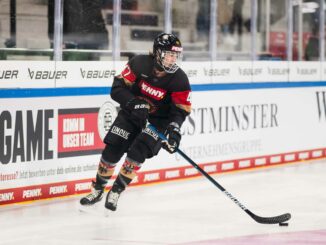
(167, 50)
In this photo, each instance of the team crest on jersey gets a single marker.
(151, 91)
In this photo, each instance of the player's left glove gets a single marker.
(138, 109)
(173, 138)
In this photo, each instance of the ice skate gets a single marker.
(112, 198)
(95, 196)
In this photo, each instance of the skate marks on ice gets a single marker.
(317, 237)
(96, 209)
(188, 212)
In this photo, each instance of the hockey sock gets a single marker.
(127, 173)
(104, 172)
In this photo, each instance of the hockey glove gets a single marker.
(138, 109)
(173, 138)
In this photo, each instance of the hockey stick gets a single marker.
(280, 219)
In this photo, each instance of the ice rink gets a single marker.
(184, 212)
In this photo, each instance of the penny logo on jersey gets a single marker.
(151, 91)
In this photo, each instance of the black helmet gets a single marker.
(165, 44)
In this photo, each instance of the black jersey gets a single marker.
(168, 96)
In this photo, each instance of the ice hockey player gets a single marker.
(151, 88)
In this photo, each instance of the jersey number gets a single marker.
(189, 97)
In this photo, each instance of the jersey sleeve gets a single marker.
(128, 74)
(181, 99)
(121, 87)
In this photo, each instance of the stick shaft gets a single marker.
(202, 171)
(262, 220)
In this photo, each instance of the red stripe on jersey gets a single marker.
(182, 98)
(128, 74)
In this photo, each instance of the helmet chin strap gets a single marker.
(156, 63)
(158, 66)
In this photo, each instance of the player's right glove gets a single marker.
(138, 109)
(173, 136)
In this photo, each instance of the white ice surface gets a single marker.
(178, 212)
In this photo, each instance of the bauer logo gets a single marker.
(9, 196)
(278, 71)
(87, 74)
(306, 71)
(32, 193)
(191, 73)
(8, 74)
(47, 75)
(106, 116)
(250, 71)
(216, 72)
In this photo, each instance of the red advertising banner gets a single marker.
(68, 188)
(77, 132)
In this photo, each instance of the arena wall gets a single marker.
(246, 115)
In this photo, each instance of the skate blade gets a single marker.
(95, 210)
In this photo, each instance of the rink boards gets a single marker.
(245, 115)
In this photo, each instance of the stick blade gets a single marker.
(270, 220)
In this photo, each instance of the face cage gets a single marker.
(168, 67)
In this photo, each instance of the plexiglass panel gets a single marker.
(5, 23)
(27, 28)
(310, 31)
(24, 25)
(84, 28)
(277, 29)
(191, 22)
(141, 22)
(233, 29)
